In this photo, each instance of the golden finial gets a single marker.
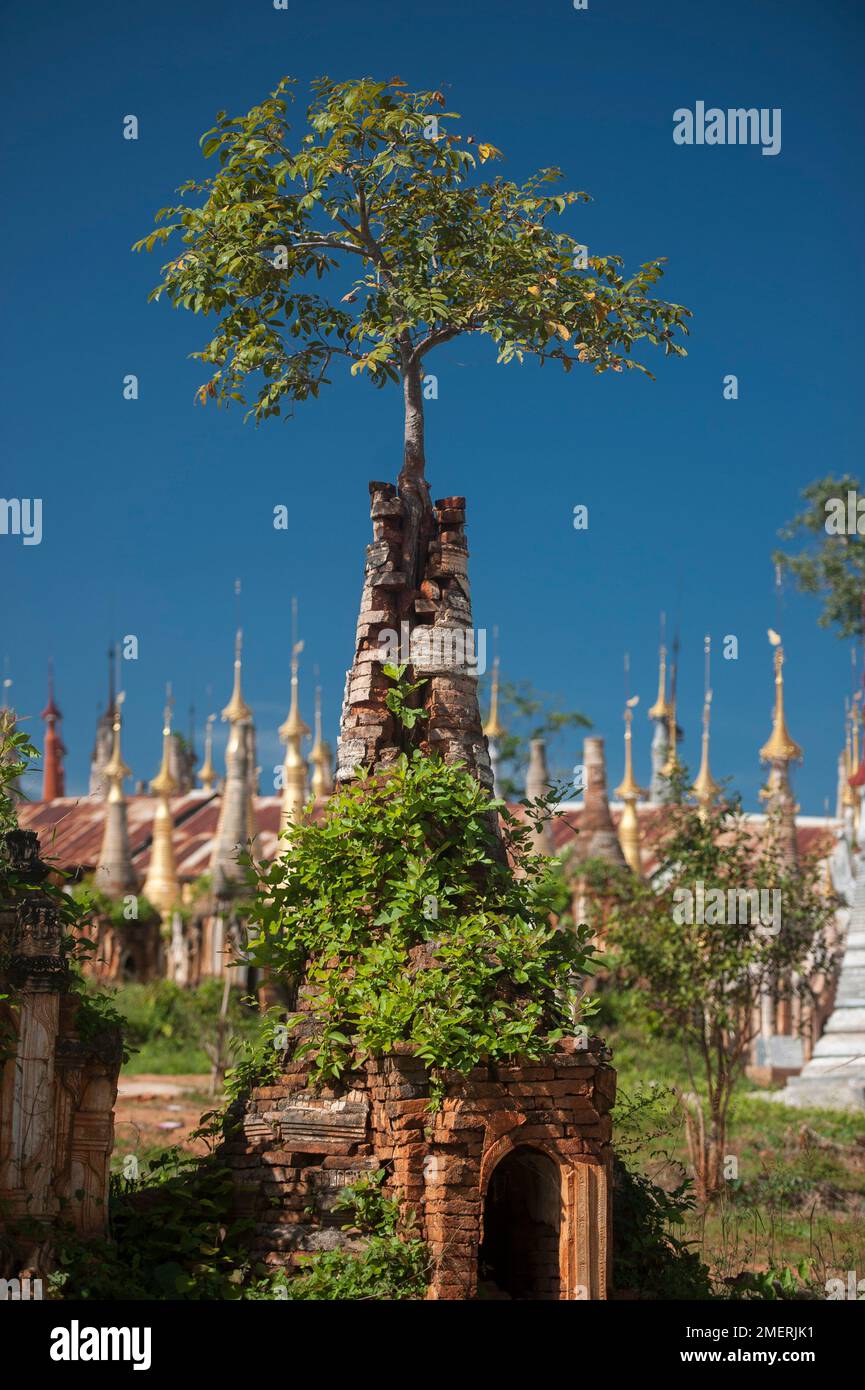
(208, 773)
(294, 727)
(660, 709)
(292, 733)
(115, 770)
(163, 783)
(161, 886)
(672, 764)
(322, 778)
(493, 728)
(237, 711)
(705, 787)
(780, 747)
(628, 789)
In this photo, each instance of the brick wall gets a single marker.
(297, 1147)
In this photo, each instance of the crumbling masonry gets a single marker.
(509, 1176)
(434, 620)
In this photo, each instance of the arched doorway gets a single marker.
(519, 1254)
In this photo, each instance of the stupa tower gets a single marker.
(630, 793)
(493, 728)
(161, 886)
(779, 751)
(320, 757)
(53, 773)
(207, 773)
(292, 732)
(705, 787)
(660, 717)
(114, 874)
(102, 747)
(233, 827)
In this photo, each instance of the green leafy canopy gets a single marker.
(828, 565)
(381, 200)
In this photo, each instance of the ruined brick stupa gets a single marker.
(510, 1177)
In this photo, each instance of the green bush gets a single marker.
(649, 1260)
(397, 909)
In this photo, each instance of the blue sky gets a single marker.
(153, 507)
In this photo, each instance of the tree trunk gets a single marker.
(412, 484)
(706, 1144)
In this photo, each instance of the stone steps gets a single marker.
(834, 1078)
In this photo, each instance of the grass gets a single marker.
(796, 1185)
(168, 1028)
(163, 1057)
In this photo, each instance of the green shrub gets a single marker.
(649, 1260)
(408, 927)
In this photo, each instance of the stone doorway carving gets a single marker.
(519, 1256)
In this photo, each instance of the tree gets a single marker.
(525, 714)
(701, 959)
(382, 184)
(833, 563)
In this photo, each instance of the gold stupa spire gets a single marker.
(163, 783)
(319, 757)
(292, 733)
(237, 711)
(672, 765)
(115, 771)
(705, 787)
(630, 793)
(493, 727)
(780, 747)
(233, 826)
(114, 873)
(628, 786)
(293, 726)
(660, 709)
(161, 887)
(208, 774)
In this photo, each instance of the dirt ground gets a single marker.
(159, 1112)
